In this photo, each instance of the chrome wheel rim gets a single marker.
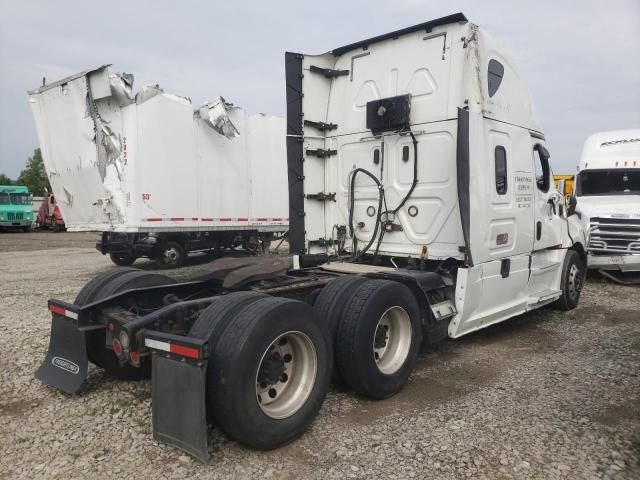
(286, 375)
(392, 340)
(170, 255)
(575, 281)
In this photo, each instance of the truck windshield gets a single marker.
(4, 198)
(608, 182)
(19, 198)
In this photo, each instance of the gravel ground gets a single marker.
(544, 395)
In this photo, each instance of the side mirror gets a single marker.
(572, 203)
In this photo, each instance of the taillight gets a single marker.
(117, 346)
(135, 358)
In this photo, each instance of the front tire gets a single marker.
(271, 371)
(121, 260)
(574, 271)
(378, 338)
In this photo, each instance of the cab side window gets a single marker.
(541, 165)
(500, 156)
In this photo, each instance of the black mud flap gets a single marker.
(65, 366)
(178, 408)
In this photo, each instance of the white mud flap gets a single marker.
(179, 392)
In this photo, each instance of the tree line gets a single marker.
(33, 175)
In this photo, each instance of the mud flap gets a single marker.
(65, 366)
(178, 408)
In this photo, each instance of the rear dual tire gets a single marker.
(269, 370)
(378, 338)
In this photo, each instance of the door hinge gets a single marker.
(328, 72)
(321, 196)
(320, 125)
(321, 152)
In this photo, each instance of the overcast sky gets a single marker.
(581, 59)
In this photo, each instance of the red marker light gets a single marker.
(135, 358)
(117, 347)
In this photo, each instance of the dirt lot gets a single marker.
(544, 395)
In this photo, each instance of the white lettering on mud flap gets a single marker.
(66, 365)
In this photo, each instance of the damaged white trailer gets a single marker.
(151, 172)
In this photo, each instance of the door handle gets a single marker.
(538, 230)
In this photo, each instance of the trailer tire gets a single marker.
(378, 338)
(97, 351)
(573, 275)
(171, 255)
(261, 344)
(121, 260)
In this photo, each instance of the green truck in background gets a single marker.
(15, 208)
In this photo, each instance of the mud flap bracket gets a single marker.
(178, 404)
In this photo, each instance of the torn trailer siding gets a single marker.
(120, 160)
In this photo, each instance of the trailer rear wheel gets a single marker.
(97, 350)
(573, 274)
(171, 255)
(121, 260)
(271, 371)
(378, 338)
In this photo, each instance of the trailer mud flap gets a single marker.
(178, 408)
(66, 363)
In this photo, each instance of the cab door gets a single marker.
(547, 201)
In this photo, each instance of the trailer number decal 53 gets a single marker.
(146, 196)
(66, 365)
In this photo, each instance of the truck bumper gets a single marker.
(131, 245)
(15, 223)
(624, 263)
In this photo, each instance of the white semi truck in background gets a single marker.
(157, 177)
(607, 189)
(416, 214)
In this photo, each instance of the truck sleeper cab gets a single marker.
(416, 214)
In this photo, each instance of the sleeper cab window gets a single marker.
(501, 170)
(494, 76)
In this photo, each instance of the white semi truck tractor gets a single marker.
(607, 190)
(416, 215)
